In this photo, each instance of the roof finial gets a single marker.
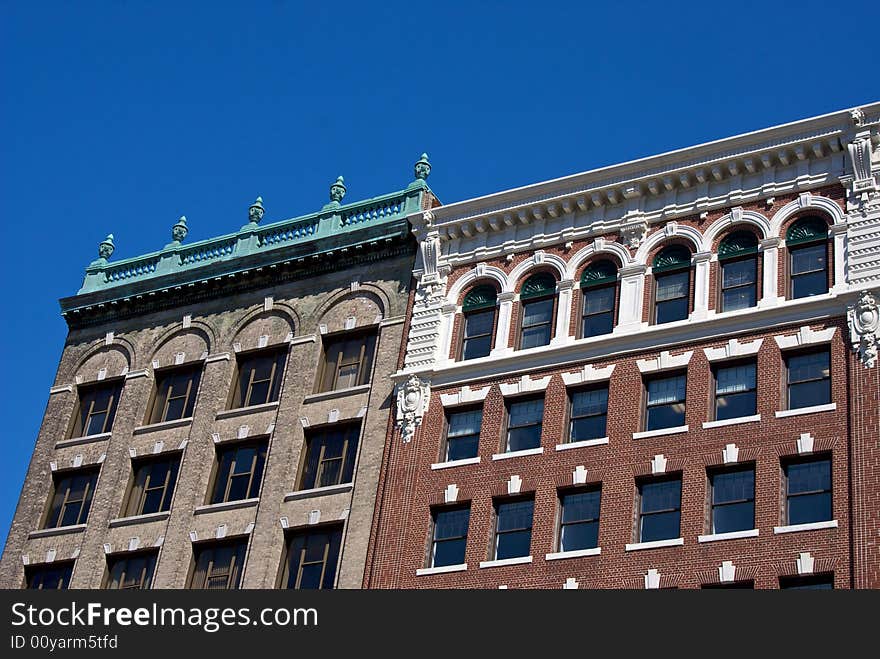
(422, 167)
(337, 190)
(106, 247)
(256, 210)
(179, 230)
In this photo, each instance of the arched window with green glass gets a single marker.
(738, 265)
(672, 284)
(807, 243)
(538, 300)
(598, 295)
(479, 321)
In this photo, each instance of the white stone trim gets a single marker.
(675, 430)
(664, 362)
(812, 409)
(579, 553)
(588, 373)
(805, 563)
(582, 444)
(455, 463)
(219, 357)
(139, 519)
(732, 535)
(163, 425)
(730, 454)
(570, 584)
(319, 491)
(652, 579)
(131, 375)
(424, 571)
(57, 530)
(525, 384)
(226, 505)
(732, 422)
(88, 439)
(450, 494)
(464, 395)
(336, 393)
(733, 348)
(736, 218)
(518, 454)
(658, 464)
(519, 560)
(805, 443)
(60, 389)
(656, 544)
(305, 338)
(812, 526)
(240, 411)
(805, 337)
(727, 572)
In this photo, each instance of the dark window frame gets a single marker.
(439, 510)
(351, 436)
(598, 285)
(233, 572)
(35, 575)
(737, 256)
(329, 378)
(85, 503)
(134, 503)
(82, 418)
(242, 395)
(734, 363)
(261, 445)
(787, 496)
(506, 427)
(793, 354)
(712, 473)
(497, 534)
(447, 425)
(658, 272)
(571, 418)
(646, 406)
(471, 311)
(641, 514)
(147, 572)
(793, 246)
(532, 299)
(329, 561)
(561, 494)
(159, 406)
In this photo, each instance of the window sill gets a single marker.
(162, 425)
(139, 519)
(578, 553)
(456, 463)
(660, 431)
(582, 444)
(421, 572)
(318, 491)
(73, 441)
(812, 526)
(519, 560)
(241, 411)
(58, 530)
(337, 393)
(732, 422)
(518, 454)
(732, 535)
(827, 407)
(656, 544)
(226, 505)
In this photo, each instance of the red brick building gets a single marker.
(657, 374)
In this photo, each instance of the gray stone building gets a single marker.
(220, 408)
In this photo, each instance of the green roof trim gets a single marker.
(480, 297)
(538, 285)
(807, 230)
(673, 257)
(598, 273)
(737, 244)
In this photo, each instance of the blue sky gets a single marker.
(121, 116)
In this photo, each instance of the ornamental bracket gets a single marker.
(413, 396)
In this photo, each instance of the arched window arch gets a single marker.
(738, 269)
(598, 297)
(672, 284)
(807, 244)
(538, 300)
(478, 311)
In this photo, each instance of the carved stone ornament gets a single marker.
(337, 190)
(422, 168)
(412, 403)
(864, 328)
(105, 248)
(179, 230)
(860, 158)
(632, 234)
(256, 210)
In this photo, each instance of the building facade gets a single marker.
(220, 408)
(660, 374)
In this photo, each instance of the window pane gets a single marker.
(592, 401)
(451, 523)
(514, 545)
(582, 506)
(259, 392)
(667, 390)
(463, 435)
(588, 427)
(96, 424)
(176, 407)
(537, 312)
(515, 515)
(807, 508)
(738, 273)
(462, 448)
(521, 439)
(526, 412)
(661, 495)
(598, 325)
(672, 310)
(815, 283)
(465, 423)
(579, 536)
(733, 486)
(808, 367)
(738, 298)
(533, 337)
(809, 476)
(479, 323)
(306, 558)
(735, 379)
(808, 259)
(732, 407)
(665, 416)
(598, 300)
(476, 348)
(152, 502)
(672, 286)
(809, 394)
(348, 376)
(660, 526)
(733, 517)
(449, 552)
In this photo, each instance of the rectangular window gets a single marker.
(537, 322)
(330, 455)
(513, 528)
(259, 378)
(239, 471)
(175, 394)
(524, 419)
(72, 498)
(97, 407)
(598, 311)
(450, 535)
(348, 360)
(736, 390)
(218, 565)
(809, 275)
(660, 509)
(312, 556)
(808, 490)
(733, 499)
(672, 297)
(588, 412)
(153, 485)
(463, 434)
(579, 519)
(809, 379)
(665, 404)
(739, 284)
(478, 326)
(814, 582)
(49, 576)
(131, 571)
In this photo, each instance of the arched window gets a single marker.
(807, 243)
(598, 289)
(672, 283)
(479, 321)
(538, 298)
(738, 260)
